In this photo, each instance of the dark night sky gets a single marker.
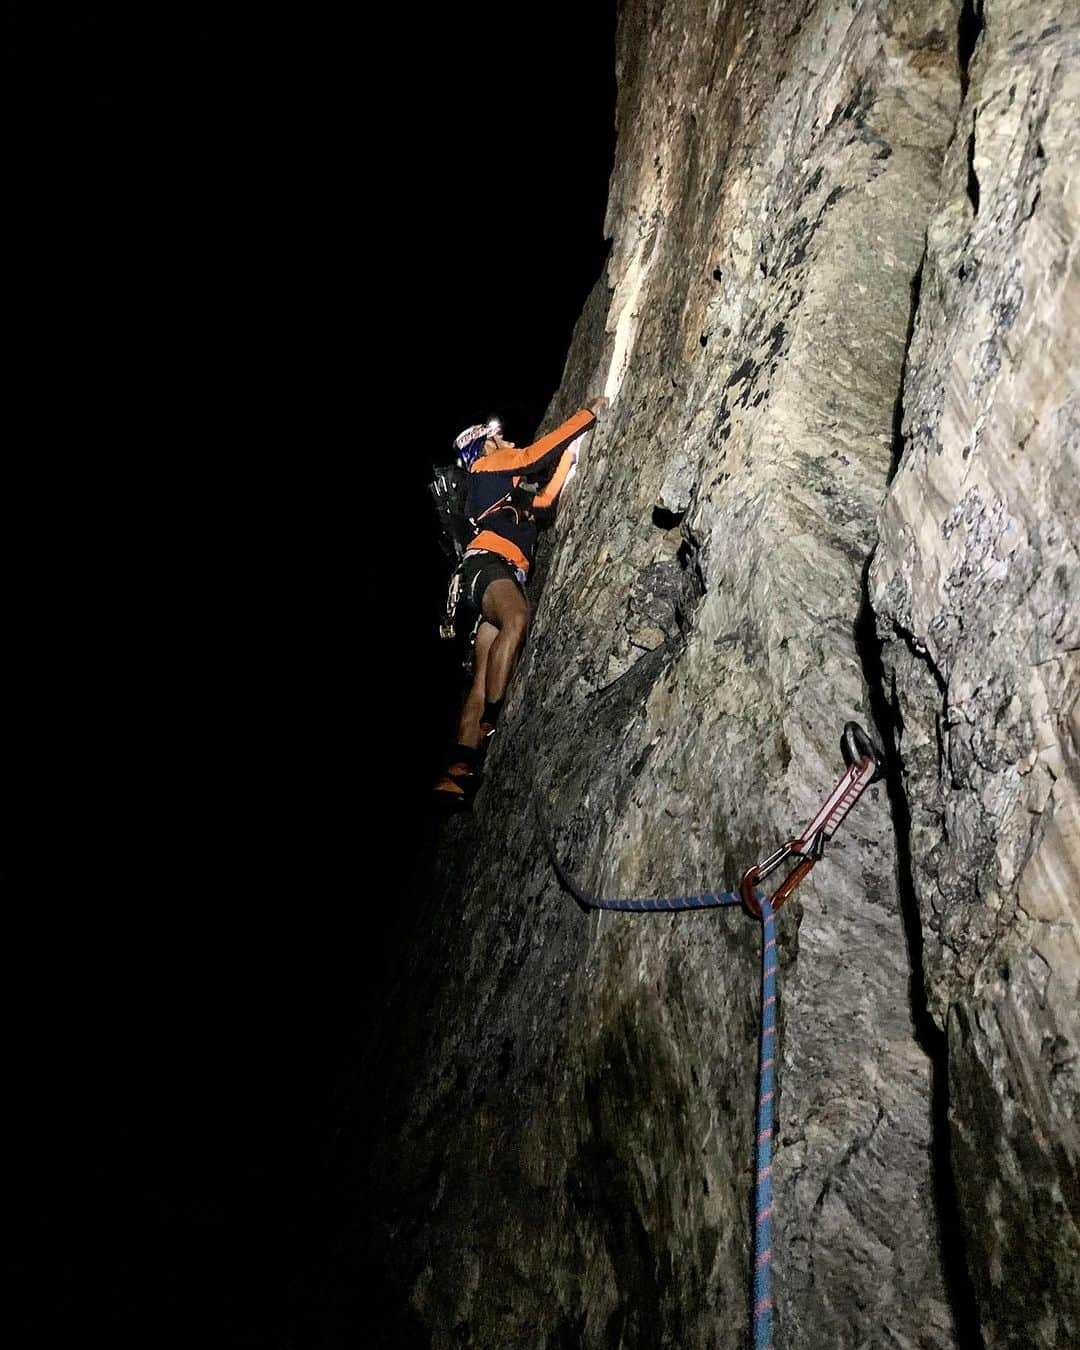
(280, 263)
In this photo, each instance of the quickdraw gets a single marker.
(864, 767)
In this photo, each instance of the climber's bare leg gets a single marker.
(505, 606)
(469, 723)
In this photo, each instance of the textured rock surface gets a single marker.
(565, 1154)
(977, 588)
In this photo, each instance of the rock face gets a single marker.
(976, 584)
(564, 1158)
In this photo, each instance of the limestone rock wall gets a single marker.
(563, 1157)
(976, 584)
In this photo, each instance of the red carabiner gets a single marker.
(864, 767)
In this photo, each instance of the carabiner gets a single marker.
(761, 870)
(864, 767)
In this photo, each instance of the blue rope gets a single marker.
(710, 900)
(763, 1193)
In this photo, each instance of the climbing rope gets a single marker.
(763, 1197)
(763, 1201)
(710, 900)
(864, 767)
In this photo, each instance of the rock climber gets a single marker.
(510, 492)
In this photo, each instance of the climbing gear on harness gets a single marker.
(449, 487)
(453, 596)
(864, 767)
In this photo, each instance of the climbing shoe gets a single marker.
(455, 791)
(457, 787)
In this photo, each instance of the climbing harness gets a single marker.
(864, 767)
(457, 591)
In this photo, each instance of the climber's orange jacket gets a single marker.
(507, 529)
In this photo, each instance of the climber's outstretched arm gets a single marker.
(543, 455)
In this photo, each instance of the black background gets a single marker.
(270, 266)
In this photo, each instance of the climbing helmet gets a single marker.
(470, 443)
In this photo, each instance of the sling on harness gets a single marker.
(864, 766)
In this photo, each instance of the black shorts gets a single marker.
(479, 571)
